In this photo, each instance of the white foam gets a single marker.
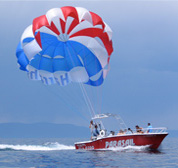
(45, 147)
(52, 146)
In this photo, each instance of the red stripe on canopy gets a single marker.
(69, 11)
(97, 20)
(39, 22)
(74, 23)
(96, 32)
(53, 28)
(38, 39)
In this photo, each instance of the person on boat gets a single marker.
(91, 127)
(111, 133)
(125, 131)
(138, 129)
(121, 132)
(129, 129)
(149, 128)
(96, 132)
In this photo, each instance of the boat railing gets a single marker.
(140, 131)
(158, 130)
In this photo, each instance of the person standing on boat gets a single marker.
(92, 126)
(149, 128)
(96, 132)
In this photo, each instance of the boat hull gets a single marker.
(152, 140)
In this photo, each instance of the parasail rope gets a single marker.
(64, 102)
(87, 100)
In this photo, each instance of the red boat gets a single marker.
(146, 137)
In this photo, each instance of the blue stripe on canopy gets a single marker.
(47, 41)
(61, 56)
(98, 82)
(28, 40)
(91, 62)
(60, 64)
(42, 63)
(59, 51)
(46, 64)
(71, 56)
(36, 61)
(69, 51)
(21, 57)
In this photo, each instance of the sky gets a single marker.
(142, 85)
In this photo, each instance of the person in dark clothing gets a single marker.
(129, 129)
(96, 132)
(138, 129)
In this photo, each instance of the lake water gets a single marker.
(54, 153)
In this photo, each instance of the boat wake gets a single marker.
(55, 146)
(46, 147)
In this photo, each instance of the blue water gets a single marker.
(54, 153)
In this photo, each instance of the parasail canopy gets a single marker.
(68, 44)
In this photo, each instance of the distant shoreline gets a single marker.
(42, 130)
(49, 130)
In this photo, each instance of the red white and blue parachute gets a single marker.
(68, 44)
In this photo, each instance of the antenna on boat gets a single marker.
(121, 122)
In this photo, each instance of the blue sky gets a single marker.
(142, 85)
